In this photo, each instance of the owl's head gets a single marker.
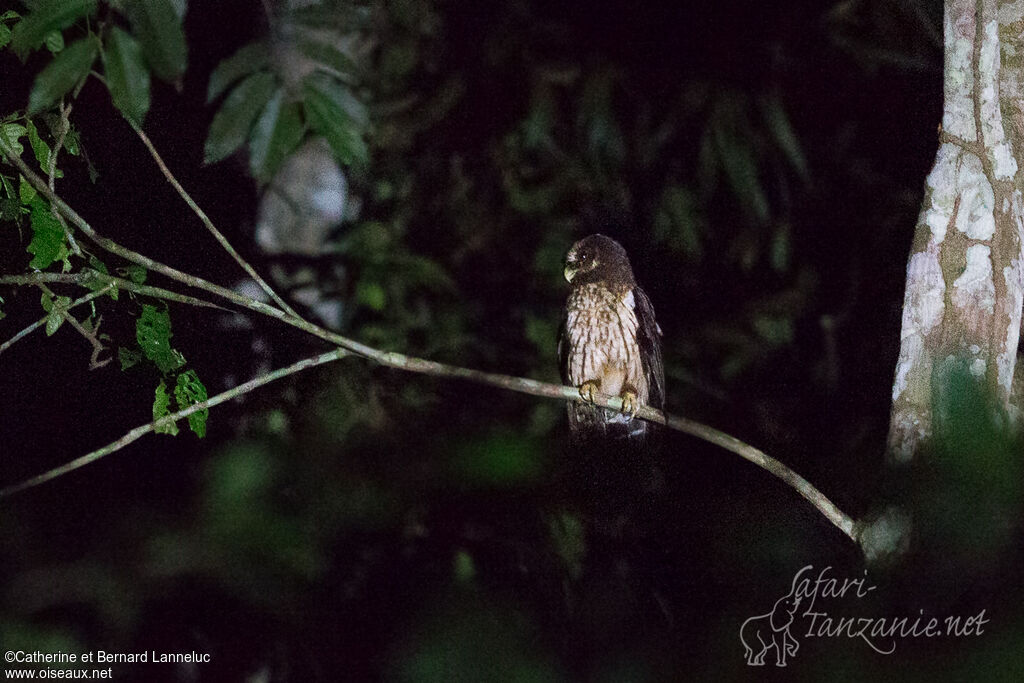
(597, 257)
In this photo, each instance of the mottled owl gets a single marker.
(610, 342)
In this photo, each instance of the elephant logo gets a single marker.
(762, 633)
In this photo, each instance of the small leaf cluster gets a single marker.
(153, 335)
(49, 242)
(155, 44)
(273, 115)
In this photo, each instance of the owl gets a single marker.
(610, 342)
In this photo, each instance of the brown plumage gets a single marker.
(610, 342)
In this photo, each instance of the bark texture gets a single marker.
(965, 277)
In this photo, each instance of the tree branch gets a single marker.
(282, 304)
(42, 321)
(51, 173)
(390, 359)
(91, 277)
(142, 430)
(91, 336)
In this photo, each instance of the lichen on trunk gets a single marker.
(965, 281)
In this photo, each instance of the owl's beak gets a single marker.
(569, 272)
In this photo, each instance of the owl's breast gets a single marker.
(601, 330)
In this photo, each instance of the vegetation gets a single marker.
(762, 164)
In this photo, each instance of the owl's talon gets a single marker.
(630, 403)
(588, 389)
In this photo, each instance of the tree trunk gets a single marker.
(965, 278)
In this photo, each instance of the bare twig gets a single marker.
(91, 277)
(128, 254)
(91, 336)
(42, 321)
(282, 304)
(51, 173)
(142, 430)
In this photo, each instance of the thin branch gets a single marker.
(51, 174)
(113, 247)
(91, 336)
(92, 277)
(142, 430)
(840, 519)
(547, 390)
(282, 304)
(42, 321)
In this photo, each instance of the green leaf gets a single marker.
(785, 137)
(26, 193)
(329, 58)
(71, 142)
(738, 162)
(330, 108)
(10, 210)
(56, 316)
(11, 134)
(54, 41)
(371, 295)
(231, 125)
(127, 75)
(189, 391)
(41, 150)
(276, 133)
(162, 408)
(780, 248)
(341, 96)
(158, 27)
(678, 221)
(128, 357)
(97, 283)
(136, 274)
(62, 74)
(246, 60)
(153, 332)
(53, 322)
(47, 16)
(47, 243)
(5, 35)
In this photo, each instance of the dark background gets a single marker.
(763, 164)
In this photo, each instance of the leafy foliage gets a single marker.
(66, 71)
(232, 123)
(261, 106)
(277, 132)
(479, 142)
(45, 17)
(127, 75)
(48, 240)
(158, 27)
(153, 333)
(335, 114)
(161, 409)
(247, 60)
(188, 391)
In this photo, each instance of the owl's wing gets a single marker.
(649, 340)
(563, 348)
